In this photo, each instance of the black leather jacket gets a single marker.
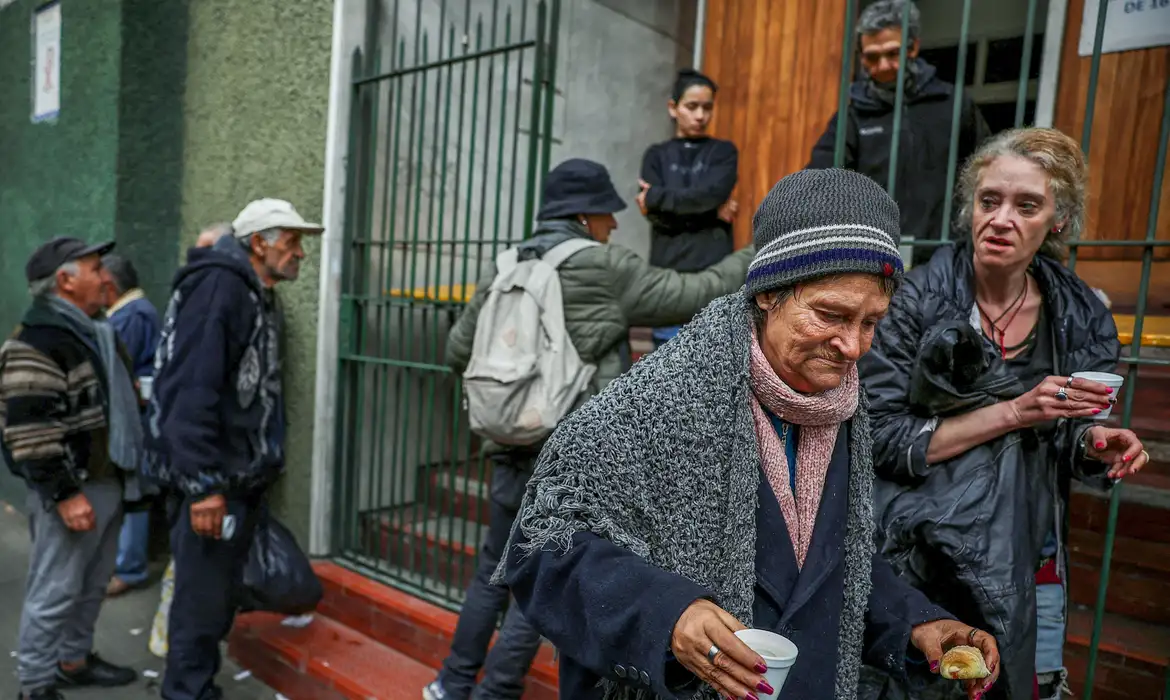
(968, 532)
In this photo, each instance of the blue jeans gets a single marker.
(1050, 625)
(506, 665)
(133, 542)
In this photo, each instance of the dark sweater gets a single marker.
(689, 180)
(53, 406)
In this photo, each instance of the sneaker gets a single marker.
(98, 672)
(434, 691)
(46, 693)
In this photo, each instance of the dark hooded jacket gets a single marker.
(968, 532)
(216, 418)
(921, 179)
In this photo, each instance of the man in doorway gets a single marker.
(921, 177)
(217, 426)
(70, 426)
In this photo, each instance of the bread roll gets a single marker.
(963, 663)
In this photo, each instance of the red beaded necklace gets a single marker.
(1013, 309)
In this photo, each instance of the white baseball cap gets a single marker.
(263, 214)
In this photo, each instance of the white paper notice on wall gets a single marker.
(1129, 24)
(46, 77)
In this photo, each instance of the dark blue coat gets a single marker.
(136, 323)
(611, 613)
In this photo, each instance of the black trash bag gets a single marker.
(279, 577)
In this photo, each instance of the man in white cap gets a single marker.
(216, 425)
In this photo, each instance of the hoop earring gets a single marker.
(583, 222)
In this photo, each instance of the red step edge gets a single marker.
(324, 660)
(380, 626)
(1122, 636)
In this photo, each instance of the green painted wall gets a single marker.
(56, 178)
(108, 167)
(257, 94)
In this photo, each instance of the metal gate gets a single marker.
(452, 108)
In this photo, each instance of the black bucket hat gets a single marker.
(578, 186)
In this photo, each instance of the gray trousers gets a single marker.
(67, 577)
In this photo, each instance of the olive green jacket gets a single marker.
(607, 289)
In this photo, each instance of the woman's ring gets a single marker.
(971, 637)
(1062, 395)
(712, 653)
(1146, 455)
(1069, 382)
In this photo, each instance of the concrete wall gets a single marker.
(255, 100)
(56, 178)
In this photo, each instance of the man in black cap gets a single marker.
(71, 431)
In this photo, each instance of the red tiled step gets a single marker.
(410, 625)
(324, 661)
(1131, 662)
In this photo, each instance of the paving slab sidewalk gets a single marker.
(123, 629)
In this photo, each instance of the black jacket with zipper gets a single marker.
(968, 531)
(921, 180)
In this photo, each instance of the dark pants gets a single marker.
(507, 664)
(208, 581)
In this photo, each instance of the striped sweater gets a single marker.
(52, 407)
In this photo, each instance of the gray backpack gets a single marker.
(524, 374)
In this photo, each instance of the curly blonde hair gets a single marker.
(1068, 175)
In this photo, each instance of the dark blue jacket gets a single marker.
(611, 613)
(216, 417)
(136, 323)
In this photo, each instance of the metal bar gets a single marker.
(487, 137)
(899, 103)
(550, 87)
(1087, 130)
(512, 224)
(924, 243)
(343, 397)
(956, 117)
(518, 46)
(534, 120)
(500, 148)
(700, 32)
(1131, 378)
(847, 44)
(1026, 63)
(471, 150)
(459, 142)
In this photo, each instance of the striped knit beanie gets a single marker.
(816, 223)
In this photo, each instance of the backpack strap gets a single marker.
(561, 252)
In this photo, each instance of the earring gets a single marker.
(583, 222)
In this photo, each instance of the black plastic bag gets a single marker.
(278, 576)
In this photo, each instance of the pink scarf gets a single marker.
(819, 416)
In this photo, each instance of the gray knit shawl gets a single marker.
(664, 463)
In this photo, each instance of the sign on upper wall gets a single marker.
(1129, 24)
(46, 64)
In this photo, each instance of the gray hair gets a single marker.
(47, 286)
(270, 235)
(759, 315)
(887, 14)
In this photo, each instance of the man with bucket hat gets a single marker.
(216, 425)
(605, 289)
(68, 415)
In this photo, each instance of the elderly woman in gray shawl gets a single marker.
(726, 481)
